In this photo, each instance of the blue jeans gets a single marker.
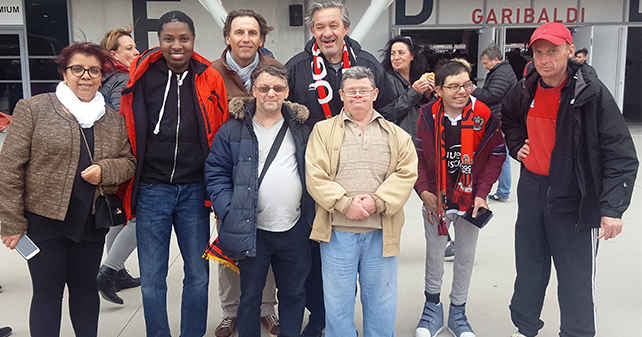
(159, 207)
(289, 254)
(504, 181)
(345, 256)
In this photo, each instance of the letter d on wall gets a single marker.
(402, 19)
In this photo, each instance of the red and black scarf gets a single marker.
(319, 72)
(473, 127)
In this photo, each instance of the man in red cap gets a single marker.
(578, 169)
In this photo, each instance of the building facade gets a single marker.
(32, 33)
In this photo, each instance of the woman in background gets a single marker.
(404, 64)
(121, 240)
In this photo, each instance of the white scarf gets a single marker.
(244, 73)
(86, 113)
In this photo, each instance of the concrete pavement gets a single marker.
(618, 288)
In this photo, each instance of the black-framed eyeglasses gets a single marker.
(264, 89)
(360, 92)
(468, 86)
(79, 71)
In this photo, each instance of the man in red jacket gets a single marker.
(461, 152)
(173, 105)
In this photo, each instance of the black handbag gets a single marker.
(109, 208)
(109, 211)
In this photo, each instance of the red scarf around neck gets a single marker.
(320, 72)
(473, 127)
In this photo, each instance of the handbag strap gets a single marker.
(91, 158)
(274, 149)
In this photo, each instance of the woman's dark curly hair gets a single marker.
(87, 48)
(417, 66)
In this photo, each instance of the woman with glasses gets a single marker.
(121, 240)
(404, 64)
(59, 148)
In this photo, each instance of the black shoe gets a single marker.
(106, 284)
(126, 281)
(313, 330)
(6, 331)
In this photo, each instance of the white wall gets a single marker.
(95, 17)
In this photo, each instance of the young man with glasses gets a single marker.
(464, 133)
(255, 178)
(360, 170)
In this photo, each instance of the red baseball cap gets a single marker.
(553, 32)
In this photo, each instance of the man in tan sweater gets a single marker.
(360, 170)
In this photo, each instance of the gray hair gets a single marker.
(492, 52)
(357, 73)
(317, 6)
(272, 69)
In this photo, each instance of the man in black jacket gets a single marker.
(331, 51)
(315, 78)
(578, 169)
(499, 80)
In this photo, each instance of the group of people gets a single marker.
(307, 167)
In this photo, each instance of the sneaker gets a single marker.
(449, 254)
(226, 328)
(313, 330)
(458, 322)
(432, 320)
(496, 198)
(271, 323)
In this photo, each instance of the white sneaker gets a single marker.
(517, 334)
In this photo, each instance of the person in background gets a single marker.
(244, 31)
(58, 149)
(173, 104)
(461, 151)
(499, 80)
(360, 170)
(112, 276)
(579, 166)
(404, 64)
(580, 55)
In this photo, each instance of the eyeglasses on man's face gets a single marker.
(468, 86)
(360, 92)
(264, 89)
(79, 71)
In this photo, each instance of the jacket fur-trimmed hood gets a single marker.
(238, 105)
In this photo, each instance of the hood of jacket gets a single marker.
(238, 105)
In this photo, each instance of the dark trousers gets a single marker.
(540, 235)
(63, 262)
(289, 254)
(314, 288)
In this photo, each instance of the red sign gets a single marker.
(528, 15)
